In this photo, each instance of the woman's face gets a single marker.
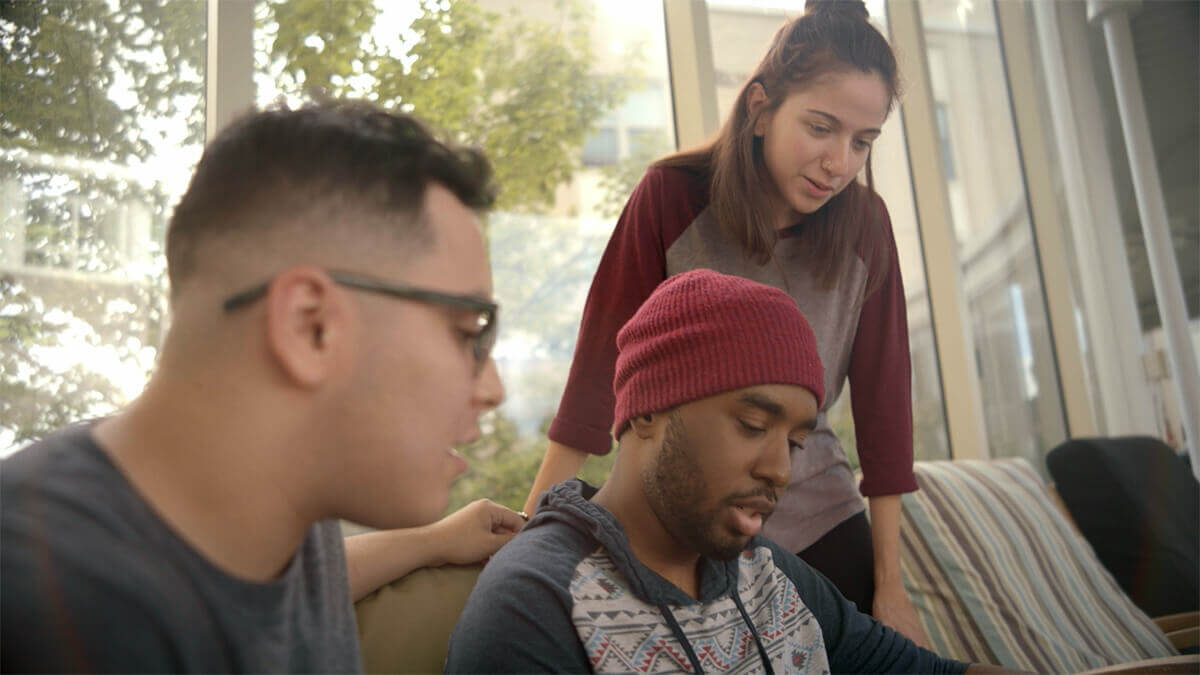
(819, 138)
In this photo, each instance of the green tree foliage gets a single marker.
(321, 44)
(62, 61)
(80, 80)
(104, 81)
(502, 464)
(525, 91)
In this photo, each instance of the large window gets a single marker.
(570, 100)
(1118, 315)
(101, 120)
(1014, 357)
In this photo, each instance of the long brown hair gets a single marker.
(832, 36)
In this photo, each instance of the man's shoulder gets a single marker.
(76, 577)
(64, 485)
(72, 527)
(66, 450)
(518, 617)
(547, 548)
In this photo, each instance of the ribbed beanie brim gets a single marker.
(702, 333)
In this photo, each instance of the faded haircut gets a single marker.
(322, 164)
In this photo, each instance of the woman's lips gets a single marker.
(817, 189)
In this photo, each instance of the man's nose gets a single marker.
(489, 390)
(775, 463)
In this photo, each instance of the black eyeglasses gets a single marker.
(482, 340)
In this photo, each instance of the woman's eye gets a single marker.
(862, 145)
(818, 129)
(796, 445)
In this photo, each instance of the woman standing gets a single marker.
(775, 198)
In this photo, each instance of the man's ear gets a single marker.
(306, 325)
(756, 98)
(644, 425)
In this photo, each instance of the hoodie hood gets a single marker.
(570, 503)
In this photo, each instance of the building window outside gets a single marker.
(1114, 297)
(1022, 406)
(101, 112)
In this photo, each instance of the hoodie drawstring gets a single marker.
(678, 632)
(687, 645)
(762, 652)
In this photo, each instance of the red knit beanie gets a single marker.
(701, 333)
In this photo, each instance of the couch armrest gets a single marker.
(1188, 663)
(1183, 629)
(1172, 622)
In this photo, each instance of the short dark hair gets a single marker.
(326, 157)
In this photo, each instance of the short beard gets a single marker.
(671, 483)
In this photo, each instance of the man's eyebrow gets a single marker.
(767, 405)
(773, 408)
(838, 123)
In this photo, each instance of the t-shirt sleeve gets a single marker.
(633, 265)
(518, 619)
(880, 375)
(855, 642)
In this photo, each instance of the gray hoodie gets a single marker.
(568, 595)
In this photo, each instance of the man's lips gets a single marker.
(761, 505)
(460, 464)
(749, 515)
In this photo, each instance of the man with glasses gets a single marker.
(330, 343)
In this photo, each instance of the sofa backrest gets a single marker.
(405, 626)
(998, 575)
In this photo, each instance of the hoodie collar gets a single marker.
(570, 503)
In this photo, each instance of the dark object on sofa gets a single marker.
(1137, 503)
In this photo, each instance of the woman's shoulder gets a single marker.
(676, 179)
(876, 221)
(673, 192)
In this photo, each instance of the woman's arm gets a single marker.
(466, 536)
(880, 377)
(560, 463)
(891, 605)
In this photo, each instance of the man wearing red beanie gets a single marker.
(664, 567)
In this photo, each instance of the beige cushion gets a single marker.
(405, 626)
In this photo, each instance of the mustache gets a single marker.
(765, 491)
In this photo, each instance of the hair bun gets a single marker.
(856, 9)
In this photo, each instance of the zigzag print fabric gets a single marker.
(622, 633)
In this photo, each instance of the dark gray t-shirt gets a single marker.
(91, 579)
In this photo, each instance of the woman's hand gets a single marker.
(894, 609)
(474, 532)
(464, 537)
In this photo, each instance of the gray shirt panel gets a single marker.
(92, 579)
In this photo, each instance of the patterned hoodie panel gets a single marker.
(622, 609)
(623, 633)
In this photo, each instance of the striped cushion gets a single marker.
(998, 575)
